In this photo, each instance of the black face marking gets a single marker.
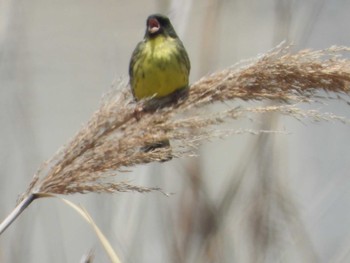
(159, 24)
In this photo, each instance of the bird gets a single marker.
(159, 69)
(159, 65)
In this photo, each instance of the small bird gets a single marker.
(159, 68)
(159, 65)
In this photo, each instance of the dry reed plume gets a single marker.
(111, 140)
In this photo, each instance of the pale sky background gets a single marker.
(57, 58)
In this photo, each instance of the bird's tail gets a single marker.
(157, 145)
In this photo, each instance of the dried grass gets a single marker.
(110, 142)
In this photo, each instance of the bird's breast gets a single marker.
(162, 71)
(161, 48)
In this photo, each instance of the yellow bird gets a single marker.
(159, 68)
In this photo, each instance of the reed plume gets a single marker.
(110, 142)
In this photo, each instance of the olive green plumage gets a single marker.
(159, 65)
(159, 69)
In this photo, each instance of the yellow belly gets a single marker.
(160, 71)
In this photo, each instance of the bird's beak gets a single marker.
(153, 25)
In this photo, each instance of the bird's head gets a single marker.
(158, 24)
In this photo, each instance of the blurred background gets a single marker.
(249, 198)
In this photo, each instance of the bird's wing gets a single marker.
(134, 58)
(184, 57)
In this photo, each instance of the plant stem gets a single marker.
(16, 212)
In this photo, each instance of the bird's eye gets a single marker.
(153, 25)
